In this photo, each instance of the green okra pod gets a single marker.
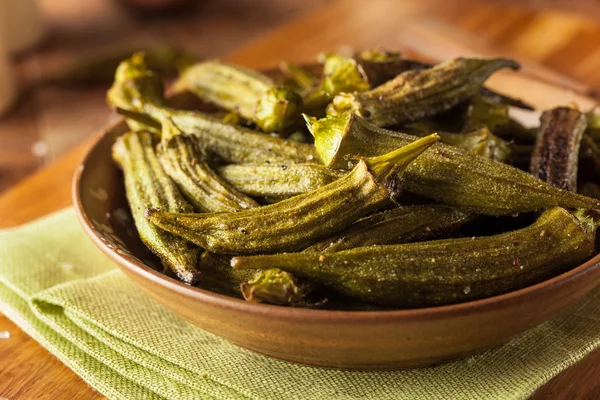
(380, 66)
(446, 271)
(400, 225)
(135, 86)
(340, 74)
(482, 112)
(555, 157)
(182, 159)
(231, 144)
(147, 185)
(271, 285)
(480, 142)
(278, 181)
(296, 223)
(251, 94)
(303, 78)
(415, 94)
(443, 173)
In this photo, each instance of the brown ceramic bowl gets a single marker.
(338, 339)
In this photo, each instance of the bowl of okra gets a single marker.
(365, 212)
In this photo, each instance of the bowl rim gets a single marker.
(487, 304)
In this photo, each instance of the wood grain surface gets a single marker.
(27, 371)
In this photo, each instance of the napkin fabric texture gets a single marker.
(60, 289)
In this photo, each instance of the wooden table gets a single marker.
(27, 371)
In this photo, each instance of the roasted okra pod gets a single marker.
(205, 189)
(251, 94)
(278, 181)
(229, 143)
(443, 173)
(147, 185)
(555, 156)
(298, 222)
(446, 271)
(413, 95)
(480, 142)
(269, 285)
(400, 225)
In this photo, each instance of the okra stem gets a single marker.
(555, 157)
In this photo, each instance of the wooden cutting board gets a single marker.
(27, 371)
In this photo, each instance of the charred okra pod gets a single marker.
(278, 181)
(446, 271)
(206, 190)
(147, 185)
(296, 223)
(414, 95)
(251, 94)
(443, 173)
(556, 152)
(400, 225)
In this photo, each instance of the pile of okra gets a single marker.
(379, 182)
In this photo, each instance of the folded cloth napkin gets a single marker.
(72, 299)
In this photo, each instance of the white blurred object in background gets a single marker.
(22, 24)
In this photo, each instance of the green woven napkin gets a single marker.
(67, 295)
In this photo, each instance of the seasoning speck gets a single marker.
(428, 229)
(467, 289)
(542, 233)
(516, 262)
(321, 258)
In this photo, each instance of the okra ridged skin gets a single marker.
(289, 225)
(135, 86)
(400, 225)
(298, 222)
(251, 94)
(147, 185)
(415, 94)
(555, 157)
(235, 144)
(278, 181)
(445, 271)
(480, 142)
(443, 173)
(203, 187)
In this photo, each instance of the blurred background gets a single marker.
(57, 56)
